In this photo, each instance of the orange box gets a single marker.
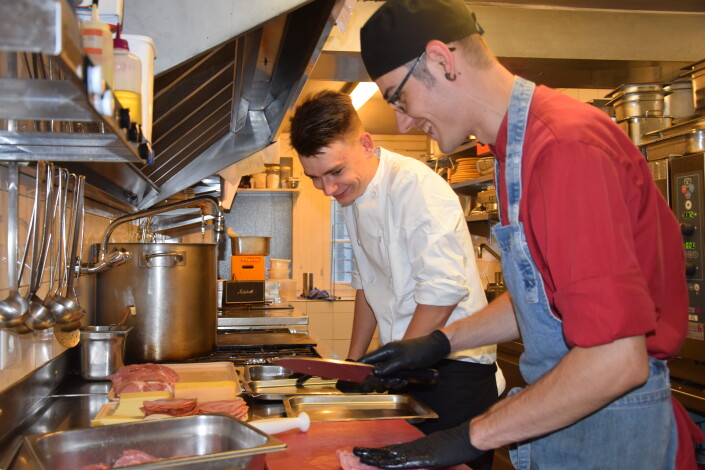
(247, 268)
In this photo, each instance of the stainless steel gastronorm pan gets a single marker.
(250, 245)
(269, 382)
(358, 407)
(266, 372)
(206, 442)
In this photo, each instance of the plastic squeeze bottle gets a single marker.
(128, 78)
(98, 44)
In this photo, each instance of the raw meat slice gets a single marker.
(96, 466)
(142, 386)
(144, 378)
(171, 406)
(350, 461)
(236, 408)
(134, 457)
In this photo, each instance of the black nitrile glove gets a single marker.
(357, 387)
(371, 384)
(379, 384)
(437, 450)
(409, 354)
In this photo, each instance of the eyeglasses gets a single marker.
(394, 99)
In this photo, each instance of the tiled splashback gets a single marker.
(21, 354)
(258, 214)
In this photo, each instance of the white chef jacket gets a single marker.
(412, 246)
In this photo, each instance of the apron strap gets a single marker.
(519, 105)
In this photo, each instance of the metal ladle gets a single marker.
(59, 271)
(22, 328)
(33, 235)
(74, 311)
(40, 317)
(14, 308)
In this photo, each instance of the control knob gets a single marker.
(687, 229)
(690, 268)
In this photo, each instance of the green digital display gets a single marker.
(689, 214)
(689, 245)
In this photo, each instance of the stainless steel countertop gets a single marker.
(76, 402)
(73, 407)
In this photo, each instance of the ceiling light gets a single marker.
(362, 92)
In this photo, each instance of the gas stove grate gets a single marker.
(257, 354)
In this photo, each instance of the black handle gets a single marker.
(416, 376)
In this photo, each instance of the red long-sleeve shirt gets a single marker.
(607, 245)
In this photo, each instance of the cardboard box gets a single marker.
(247, 268)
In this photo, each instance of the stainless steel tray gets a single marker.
(358, 407)
(269, 382)
(206, 442)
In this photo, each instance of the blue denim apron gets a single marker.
(635, 432)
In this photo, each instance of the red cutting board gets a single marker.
(315, 449)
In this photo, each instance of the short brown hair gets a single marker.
(324, 118)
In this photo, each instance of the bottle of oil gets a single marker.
(128, 78)
(98, 43)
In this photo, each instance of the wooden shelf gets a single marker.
(482, 217)
(474, 185)
(279, 190)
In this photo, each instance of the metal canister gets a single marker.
(308, 284)
(173, 289)
(102, 350)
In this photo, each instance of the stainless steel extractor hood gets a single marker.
(224, 103)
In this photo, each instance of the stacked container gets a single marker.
(143, 47)
(278, 268)
(98, 44)
(128, 78)
(279, 272)
(639, 109)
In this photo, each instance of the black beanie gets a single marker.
(400, 29)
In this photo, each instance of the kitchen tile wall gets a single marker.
(259, 214)
(21, 354)
(331, 323)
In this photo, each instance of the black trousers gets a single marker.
(464, 390)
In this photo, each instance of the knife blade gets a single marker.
(327, 368)
(351, 371)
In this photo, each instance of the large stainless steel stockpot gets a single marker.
(172, 287)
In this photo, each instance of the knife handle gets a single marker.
(417, 376)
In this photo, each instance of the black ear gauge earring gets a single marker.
(450, 76)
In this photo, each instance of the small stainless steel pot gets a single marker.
(102, 350)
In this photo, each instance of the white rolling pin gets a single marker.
(275, 425)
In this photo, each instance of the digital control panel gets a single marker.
(688, 202)
(690, 218)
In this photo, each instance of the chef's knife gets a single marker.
(350, 371)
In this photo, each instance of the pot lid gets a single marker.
(635, 88)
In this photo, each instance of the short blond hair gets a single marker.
(476, 50)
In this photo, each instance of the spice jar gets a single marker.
(273, 177)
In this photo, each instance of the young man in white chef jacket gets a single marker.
(415, 266)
